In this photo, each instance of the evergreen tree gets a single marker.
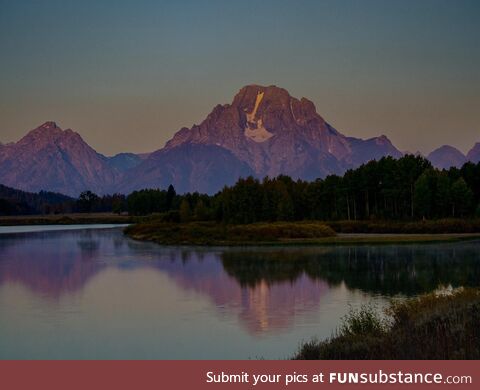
(422, 197)
(462, 198)
(285, 208)
(184, 211)
(410, 169)
(87, 202)
(200, 212)
(443, 195)
(170, 197)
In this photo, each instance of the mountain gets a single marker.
(275, 133)
(447, 156)
(265, 131)
(474, 154)
(189, 167)
(49, 158)
(124, 161)
(371, 149)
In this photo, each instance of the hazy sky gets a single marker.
(128, 74)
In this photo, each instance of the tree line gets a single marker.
(17, 202)
(408, 188)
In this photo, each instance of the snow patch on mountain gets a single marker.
(255, 129)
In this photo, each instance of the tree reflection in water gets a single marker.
(386, 270)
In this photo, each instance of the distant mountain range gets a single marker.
(263, 132)
(447, 156)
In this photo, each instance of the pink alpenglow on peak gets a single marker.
(264, 131)
(52, 159)
(275, 133)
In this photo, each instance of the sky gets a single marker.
(127, 75)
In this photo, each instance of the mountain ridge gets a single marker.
(275, 133)
(447, 156)
(473, 154)
(264, 131)
(49, 158)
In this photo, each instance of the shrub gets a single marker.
(363, 322)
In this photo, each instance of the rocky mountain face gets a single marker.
(188, 167)
(49, 158)
(275, 133)
(263, 132)
(474, 154)
(124, 161)
(447, 156)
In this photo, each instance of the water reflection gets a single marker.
(260, 307)
(50, 264)
(263, 290)
(386, 270)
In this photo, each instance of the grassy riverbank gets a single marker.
(430, 327)
(438, 226)
(156, 228)
(211, 233)
(66, 219)
(308, 233)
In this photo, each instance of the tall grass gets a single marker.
(429, 327)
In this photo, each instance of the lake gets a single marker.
(93, 293)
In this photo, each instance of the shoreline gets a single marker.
(67, 219)
(26, 229)
(347, 239)
(275, 234)
(208, 234)
(366, 334)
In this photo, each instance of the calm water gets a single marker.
(95, 294)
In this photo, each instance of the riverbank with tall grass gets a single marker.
(435, 326)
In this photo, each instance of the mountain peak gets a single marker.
(51, 131)
(474, 153)
(275, 133)
(446, 156)
(382, 140)
(49, 125)
(247, 95)
(264, 131)
(448, 147)
(271, 110)
(46, 129)
(49, 158)
(271, 92)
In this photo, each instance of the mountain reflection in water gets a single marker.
(264, 290)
